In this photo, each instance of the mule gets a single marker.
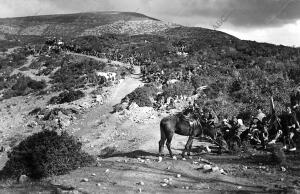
(177, 124)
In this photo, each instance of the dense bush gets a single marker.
(23, 86)
(67, 96)
(177, 89)
(71, 75)
(141, 96)
(44, 154)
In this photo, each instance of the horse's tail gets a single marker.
(162, 136)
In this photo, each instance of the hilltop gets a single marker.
(80, 24)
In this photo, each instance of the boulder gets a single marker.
(32, 124)
(99, 99)
(133, 106)
(23, 179)
(207, 167)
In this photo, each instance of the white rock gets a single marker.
(178, 175)
(93, 174)
(215, 169)
(23, 178)
(222, 172)
(207, 167)
(164, 184)
(107, 171)
(98, 184)
(183, 159)
(85, 180)
(141, 183)
(174, 158)
(159, 159)
(201, 166)
(208, 149)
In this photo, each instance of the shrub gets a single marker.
(177, 89)
(25, 85)
(67, 96)
(44, 154)
(141, 96)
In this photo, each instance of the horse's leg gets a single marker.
(161, 141)
(161, 146)
(169, 140)
(187, 145)
(190, 148)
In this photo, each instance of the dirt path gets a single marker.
(104, 60)
(31, 72)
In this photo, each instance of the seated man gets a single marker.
(259, 131)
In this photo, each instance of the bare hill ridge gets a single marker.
(78, 24)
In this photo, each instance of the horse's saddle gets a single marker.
(188, 118)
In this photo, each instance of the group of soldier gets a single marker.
(258, 131)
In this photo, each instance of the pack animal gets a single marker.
(181, 126)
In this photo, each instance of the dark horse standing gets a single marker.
(181, 126)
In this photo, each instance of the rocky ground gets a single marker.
(126, 147)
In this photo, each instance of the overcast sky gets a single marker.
(274, 21)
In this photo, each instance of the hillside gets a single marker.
(79, 24)
(108, 78)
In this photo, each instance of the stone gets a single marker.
(207, 167)
(23, 179)
(98, 184)
(201, 166)
(178, 175)
(222, 172)
(85, 180)
(141, 183)
(215, 169)
(133, 106)
(32, 124)
(159, 159)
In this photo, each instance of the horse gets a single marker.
(181, 126)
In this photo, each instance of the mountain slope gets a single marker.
(92, 23)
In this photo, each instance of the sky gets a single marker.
(273, 21)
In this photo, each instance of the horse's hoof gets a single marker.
(159, 159)
(174, 158)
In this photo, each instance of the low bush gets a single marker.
(44, 154)
(67, 96)
(177, 89)
(141, 96)
(25, 85)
